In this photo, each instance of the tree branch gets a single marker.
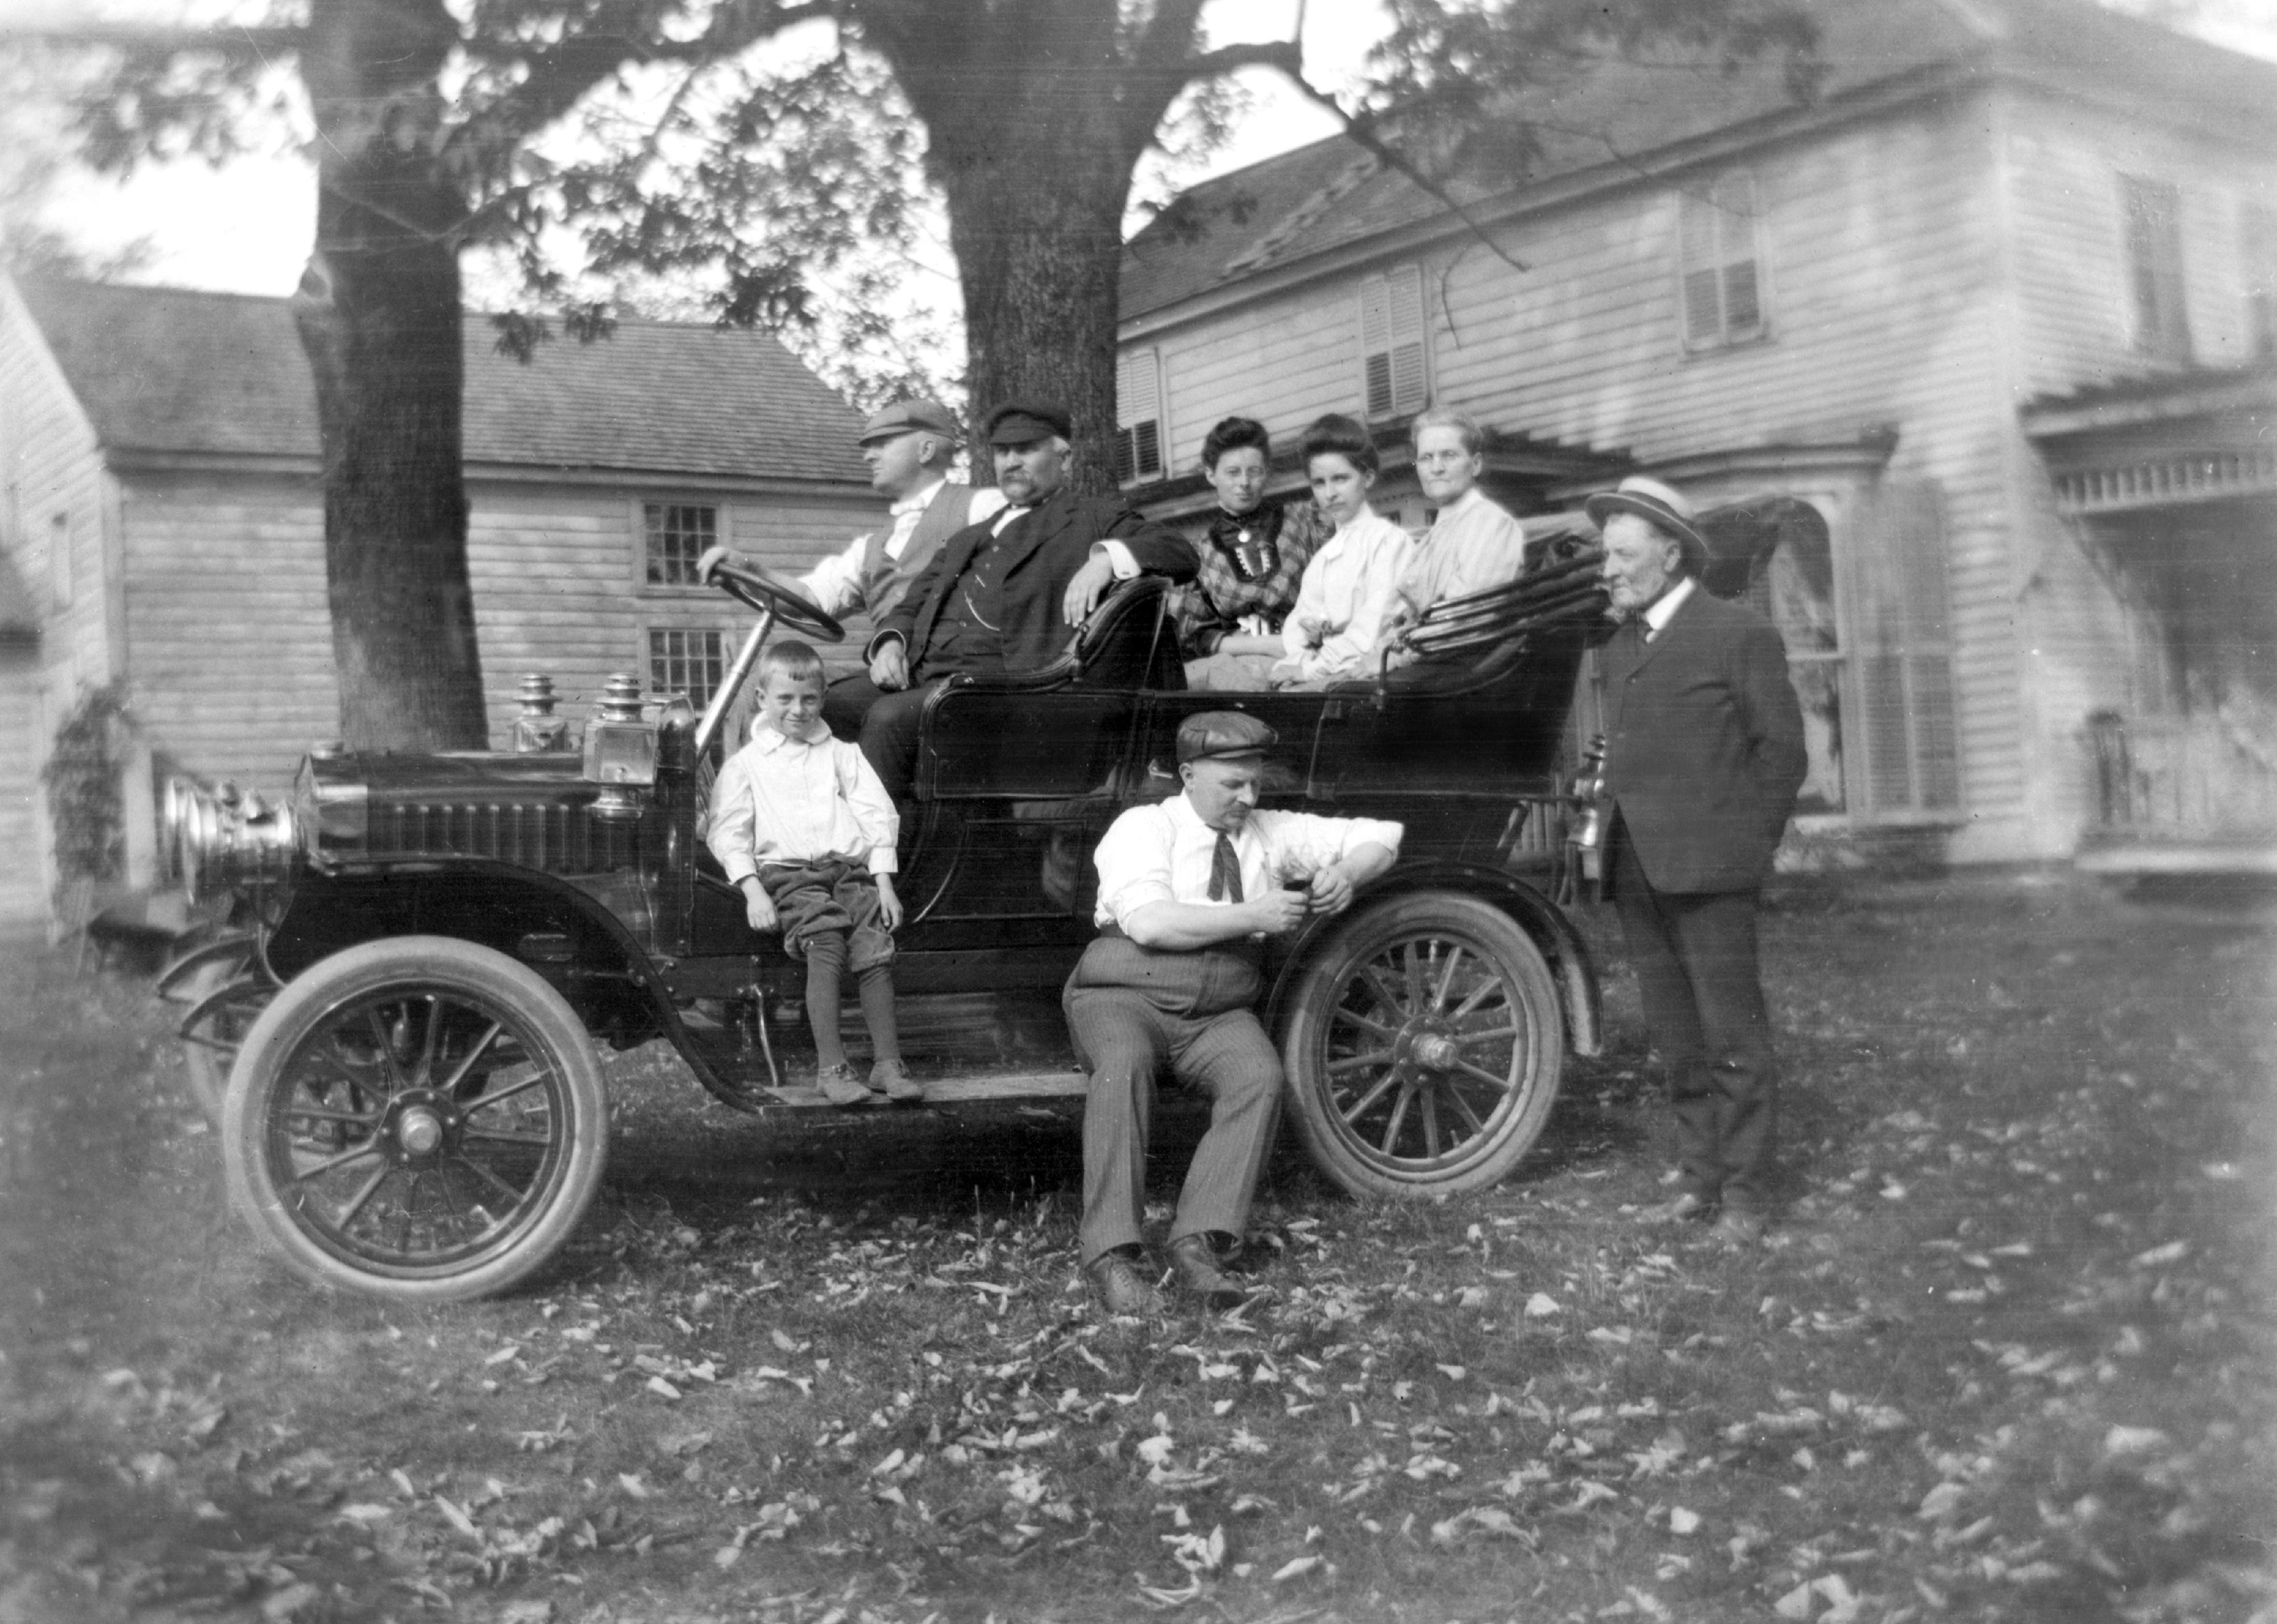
(1362, 129)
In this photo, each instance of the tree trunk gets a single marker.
(1036, 172)
(379, 313)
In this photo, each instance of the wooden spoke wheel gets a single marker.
(1424, 1045)
(419, 1118)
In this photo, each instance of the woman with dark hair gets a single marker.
(1331, 633)
(1252, 560)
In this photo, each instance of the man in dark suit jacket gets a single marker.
(1704, 756)
(1005, 594)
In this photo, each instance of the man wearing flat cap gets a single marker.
(1703, 756)
(1005, 593)
(1189, 891)
(909, 446)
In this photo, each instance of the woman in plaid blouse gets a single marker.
(1230, 619)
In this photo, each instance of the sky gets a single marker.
(246, 228)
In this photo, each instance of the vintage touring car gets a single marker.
(395, 1025)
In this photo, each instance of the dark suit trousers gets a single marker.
(1704, 1007)
(883, 724)
(1121, 1037)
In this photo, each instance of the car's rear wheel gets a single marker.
(1423, 1047)
(418, 1118)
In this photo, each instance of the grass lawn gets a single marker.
(2009, 1356)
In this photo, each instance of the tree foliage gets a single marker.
(795, 198)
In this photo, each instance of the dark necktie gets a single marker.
(1225, 872)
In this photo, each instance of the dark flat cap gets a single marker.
(915, 417)
(1020, 423)
(1223, 735)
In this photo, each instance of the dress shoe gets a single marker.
(1738, 1227)
(1121, 1286)
(840, 1087)
(1194, 1261)
(1689, 1207)
(893, 1078)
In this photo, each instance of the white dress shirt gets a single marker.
(1473, 545)
(1162, 854)
(783, 800)
(1658, 613)
(1343, 596)
(836, 583)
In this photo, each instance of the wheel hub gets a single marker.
(418, 1126)
(1434, 1051)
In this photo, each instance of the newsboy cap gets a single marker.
(1021, 422)
(1223, 735)
(918, 415)
(1665, 508)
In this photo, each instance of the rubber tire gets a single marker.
(1484, 930)
(423, 961)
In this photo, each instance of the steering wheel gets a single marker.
(762, 589)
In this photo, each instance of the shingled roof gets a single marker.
(1332, 195)
(169, 369)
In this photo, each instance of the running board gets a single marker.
(973, 1088)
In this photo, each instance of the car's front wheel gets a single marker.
(1423, 1047)
(419, 1118)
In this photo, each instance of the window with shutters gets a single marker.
(1138, 415)
(1719, 261)
(2151, 212)
(1395, 359)
(674, 536)
(2258, 255)
(1908, 741)
(1873, 669)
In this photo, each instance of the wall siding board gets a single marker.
(234, 666)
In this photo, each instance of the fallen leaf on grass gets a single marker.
(663, 1389)
(1296, 1567)
(1682, 1522)
(1155, 1597)
(2133, 1440)
(1541, 1305)
(289, 1603)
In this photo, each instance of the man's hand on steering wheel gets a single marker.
(751, 582)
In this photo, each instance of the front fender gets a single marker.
(496, 906)
(1569, 956)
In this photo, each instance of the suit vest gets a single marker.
(886, 580)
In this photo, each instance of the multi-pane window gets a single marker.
(686, 661)
(1138, 415)
(2257, 251)
(1719, 261)
(1393, 364)
(677, 534)
(2153, 214)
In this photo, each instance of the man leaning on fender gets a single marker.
(1004, 594)
(1188, 892)
(1704, 756)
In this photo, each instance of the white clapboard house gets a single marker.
(161, 521)
(2001, 300)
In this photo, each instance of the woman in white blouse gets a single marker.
(1331, 634)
